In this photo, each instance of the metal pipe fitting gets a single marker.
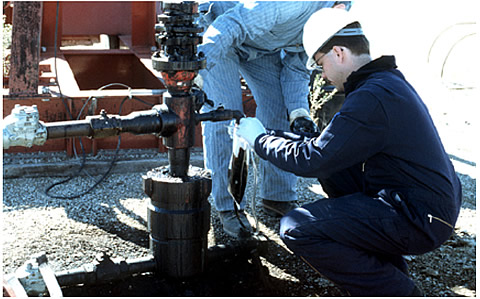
(104, 269)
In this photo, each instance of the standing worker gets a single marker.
(392, 189)
(261, 42)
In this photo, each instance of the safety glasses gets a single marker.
(315, 65)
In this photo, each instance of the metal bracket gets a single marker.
(35, 278)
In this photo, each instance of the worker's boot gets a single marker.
(278, 208)
(233, 227)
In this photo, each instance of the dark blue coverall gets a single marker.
(392, 188)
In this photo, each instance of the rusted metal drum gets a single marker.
(178, 220)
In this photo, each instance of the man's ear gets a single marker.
(339, 53)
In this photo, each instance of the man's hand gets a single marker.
(300, 122)
(249, 129)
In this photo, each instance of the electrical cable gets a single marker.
(47, 191)
(112, 163)
(81, 168)
(69, 113)
(82, 164)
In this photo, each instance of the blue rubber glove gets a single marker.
(249, 129)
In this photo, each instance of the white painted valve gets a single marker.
(23, 127)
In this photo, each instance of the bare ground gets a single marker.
(73, 232)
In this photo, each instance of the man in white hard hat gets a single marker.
(260, 41)
(392, 189)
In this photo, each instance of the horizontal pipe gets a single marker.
(109, 270)
(67, 129)
(100, 126)
(219, 115)
(90, 274)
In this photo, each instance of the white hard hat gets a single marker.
(323, 25)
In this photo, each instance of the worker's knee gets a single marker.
(293, 228)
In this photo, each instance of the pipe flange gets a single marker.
(164, 63)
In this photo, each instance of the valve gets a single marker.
(23, 127)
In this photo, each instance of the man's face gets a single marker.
(333, 68)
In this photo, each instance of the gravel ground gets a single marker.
(113, 218)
